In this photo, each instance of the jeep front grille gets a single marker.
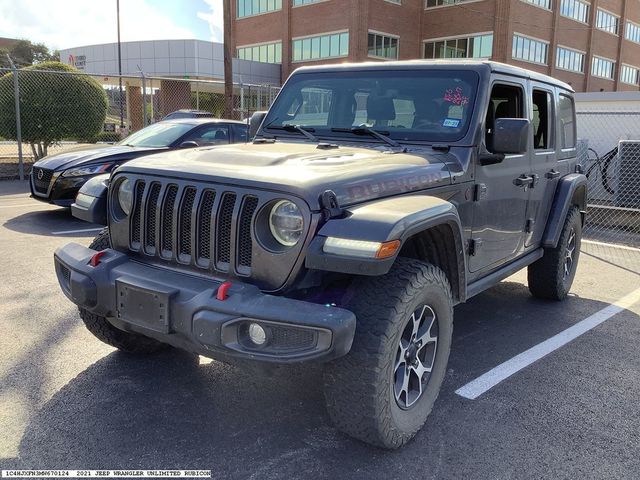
(194, 225)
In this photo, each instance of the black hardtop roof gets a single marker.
(440, 64)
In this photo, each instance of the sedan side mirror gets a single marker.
(189, 144)
(254, 123)
(511, 135)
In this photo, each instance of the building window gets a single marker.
(247, 8)
(332, 45)
(601, 67)
(529, 50)
(265, 52)
(383, 46)
(571, 60)
(399, 2)
(540, 3)
(632, 32)
(630, 75)
(607, 22)
(479, 46)
(440, 3)
(297, 3)
(575, 9)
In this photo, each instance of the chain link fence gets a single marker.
(55, 116)
(609, 152)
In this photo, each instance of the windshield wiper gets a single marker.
(364, 130)
(295, 128)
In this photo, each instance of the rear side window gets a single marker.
(567, 119)
(542, 120)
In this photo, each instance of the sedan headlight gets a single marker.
(125, 195)
(87, 170)
(286, 223)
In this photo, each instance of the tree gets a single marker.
(56, 103)
(23, 53)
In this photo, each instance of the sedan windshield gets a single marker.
(160, 134)
(411, 105)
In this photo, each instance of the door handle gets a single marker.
(523, 181)
(552, 174)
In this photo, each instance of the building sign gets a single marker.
(77, 61)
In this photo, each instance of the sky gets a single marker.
(71, 23)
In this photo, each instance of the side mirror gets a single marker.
(254, 123)
(511, 135)
(189, 144)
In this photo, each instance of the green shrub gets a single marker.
(55, 104)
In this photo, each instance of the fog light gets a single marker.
(257, 334)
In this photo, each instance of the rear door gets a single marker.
(545, 167)
(500, 208)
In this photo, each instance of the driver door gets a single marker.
(500, 205)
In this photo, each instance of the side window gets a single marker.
(239, 132)
(567, 119)
(506, 102)
(210, 135)
(542, 120)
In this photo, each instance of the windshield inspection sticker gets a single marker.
(451, 122)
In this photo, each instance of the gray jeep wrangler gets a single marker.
(373, 199)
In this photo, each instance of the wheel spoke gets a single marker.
(426, 335)
(402, 386)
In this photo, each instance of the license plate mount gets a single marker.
(142, 306)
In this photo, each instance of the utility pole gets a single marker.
(120, 67)
(228, 66)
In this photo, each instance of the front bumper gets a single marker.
(183, 311)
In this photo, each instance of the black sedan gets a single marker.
(57, 178)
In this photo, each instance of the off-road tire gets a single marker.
(107, 333)
(359, 387)
(546, 277)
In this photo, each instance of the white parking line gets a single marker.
(18, 205)
(610, 245)
(64, 232)
(480, 385)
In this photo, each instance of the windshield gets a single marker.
(160, 134)
(412, 105)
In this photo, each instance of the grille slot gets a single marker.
(224, 227)
(42, 184)
(186, 212)
(167, 218)
(152, 213)
(135, 217)
(245, 240)
(204, 225)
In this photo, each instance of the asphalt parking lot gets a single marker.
(69, 402)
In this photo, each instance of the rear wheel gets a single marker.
(551, 277)
(103, 330)
(384, 389)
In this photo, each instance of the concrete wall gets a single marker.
(174, 58)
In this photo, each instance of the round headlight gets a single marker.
(286, 223)
(125, 196)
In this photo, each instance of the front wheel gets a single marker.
(384, 389)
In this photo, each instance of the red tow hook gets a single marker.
(222, 291)
(95, 260)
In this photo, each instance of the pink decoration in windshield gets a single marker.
(455, 96)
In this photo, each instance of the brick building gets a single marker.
(593, 45)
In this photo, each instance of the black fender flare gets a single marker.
(90, 204)
(571, 190)
(397, 218)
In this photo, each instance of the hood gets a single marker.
(84, 155)
(355, 174)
